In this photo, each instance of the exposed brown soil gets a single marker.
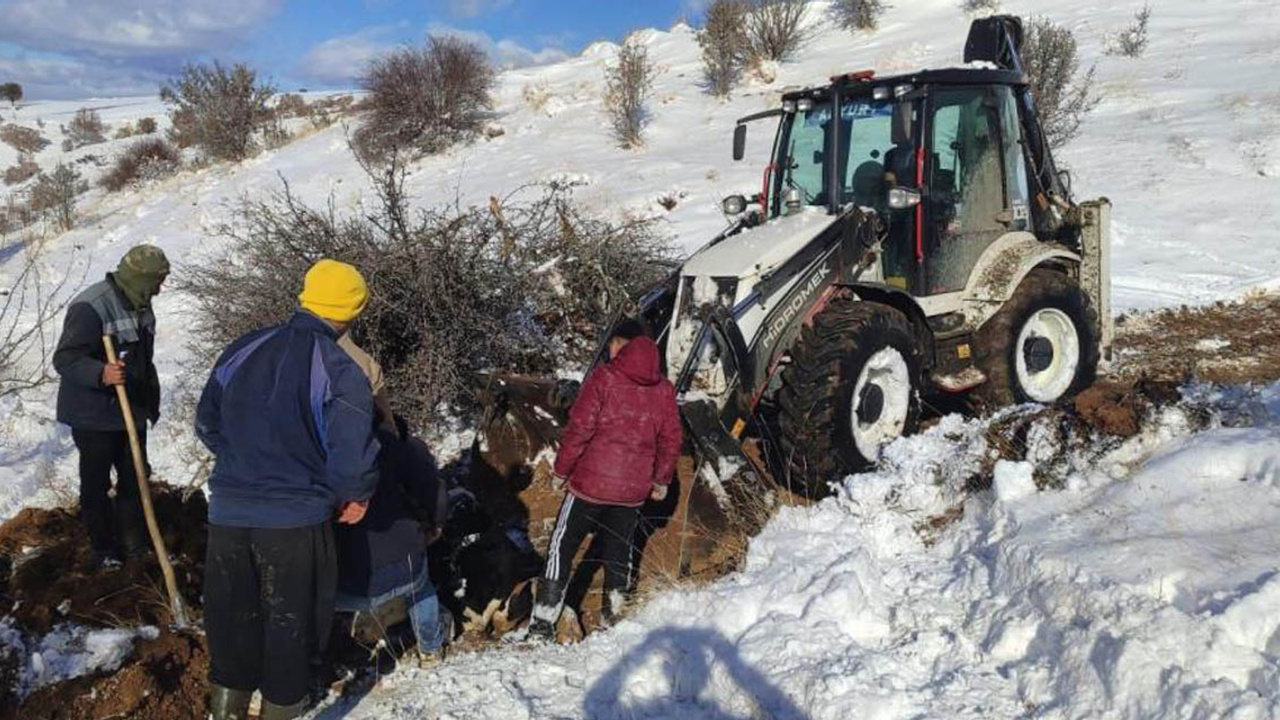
(1237, 342)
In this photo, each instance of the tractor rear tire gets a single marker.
(852, 386)
(1042, 346)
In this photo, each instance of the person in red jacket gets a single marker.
(619, 449)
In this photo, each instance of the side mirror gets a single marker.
(901, 198)
(900, 132)
(739, 142)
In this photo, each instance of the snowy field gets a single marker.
(1146, 588)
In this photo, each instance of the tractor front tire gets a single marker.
(851, 387)
(1042, 346)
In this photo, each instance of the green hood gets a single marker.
(141, 273)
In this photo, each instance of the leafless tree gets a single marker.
(53, 195)
(724, 44)
(218, 109)
(628, 85)
(424, 99)
(1062, 95)
(776, 28)
(857, 14)
(30, 303)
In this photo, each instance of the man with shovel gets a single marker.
(290, 419)
(119, 306)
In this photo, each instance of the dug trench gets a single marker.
(47, 579)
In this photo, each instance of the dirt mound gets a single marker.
(163, 680)
(51, 577)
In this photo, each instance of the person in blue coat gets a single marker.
(289, 418)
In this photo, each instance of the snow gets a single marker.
(68, 651)
(1146, 586)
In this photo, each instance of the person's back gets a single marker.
(283, 459)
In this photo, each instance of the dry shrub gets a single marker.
(424, 99)
(123, 132)
(146, 159)
(291, 105)
(54, 195)
(218, 109)
(1132, 41)
(980, 7)
(23, 171)
(628, 85)
(23, 139)
(326, 111)
(775, 29)
(521, 284)
(86, 128)
(30, 303)
(857, 14)
(1062, 96)
(725, 46)
(146, 125)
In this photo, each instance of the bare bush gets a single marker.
(144, 160)
(291, 105)
(30, 304)
(857, 14)
(1062, 95)
(53, 195)
(23, 139)
(15, 214)
(24, 170)
(424, 99)
(218, 109)
(628, 85)
(980, 7)
(775, 29)
(1132, 41)
(124, 132)
(146, 125)
(725, 46)
(521, 284)
(326, 111)
(86, 128)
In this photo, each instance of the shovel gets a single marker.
(144, 491)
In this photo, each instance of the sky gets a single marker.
(60, 49)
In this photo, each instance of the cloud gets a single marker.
(65, 78)
(343, 59)
(505, 52)
(475, 8)
(138, 28)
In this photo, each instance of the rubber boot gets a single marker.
(271, 711)
(228, 704)
(546, 610)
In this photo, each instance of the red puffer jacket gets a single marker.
(624, 430)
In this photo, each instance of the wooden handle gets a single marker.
(144, 492)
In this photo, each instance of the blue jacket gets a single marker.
(289, 417)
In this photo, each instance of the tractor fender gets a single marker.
(1003, 266)
(902, 301)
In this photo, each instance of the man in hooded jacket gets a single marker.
(119, 306)
(619, 449)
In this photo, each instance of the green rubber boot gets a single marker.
(271, 711)
(228, 704)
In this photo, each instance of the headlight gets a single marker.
(804, 105)
(734, 205)
(788, 106)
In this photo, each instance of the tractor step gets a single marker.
(966, 378)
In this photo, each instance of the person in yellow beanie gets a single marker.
(289, 417)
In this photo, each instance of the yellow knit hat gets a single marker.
(334, 291)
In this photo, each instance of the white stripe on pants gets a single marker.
(557, 536)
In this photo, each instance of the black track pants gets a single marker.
(117, 526)
(614, 527)
(268, 604)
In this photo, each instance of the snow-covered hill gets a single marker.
(1146, 588)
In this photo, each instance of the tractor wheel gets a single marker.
(1042, 346)
(851, 387)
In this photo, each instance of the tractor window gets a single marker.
(802, 166)
(967, 189)
(865, 131)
